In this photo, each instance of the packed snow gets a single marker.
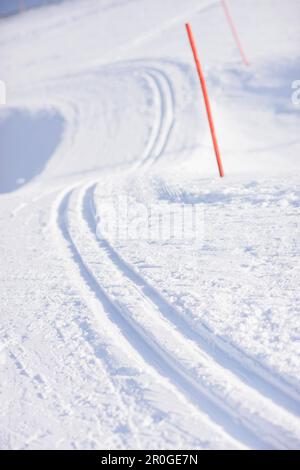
(146, 303)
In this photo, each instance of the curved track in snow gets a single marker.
(242, 399)
(128, 114)
(172, 351)
(164, 97)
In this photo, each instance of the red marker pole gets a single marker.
(206, 99)
(234, 32)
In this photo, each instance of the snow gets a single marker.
(145, 302)
(37, 134)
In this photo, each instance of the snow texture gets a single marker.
(118, 329)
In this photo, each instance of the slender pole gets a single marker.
(234, 32)
(206, 99)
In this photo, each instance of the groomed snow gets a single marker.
(114, 333)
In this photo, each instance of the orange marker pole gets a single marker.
(234, 32)
(206, 99)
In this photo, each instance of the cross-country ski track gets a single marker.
(125, 343)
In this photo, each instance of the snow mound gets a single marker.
(25, 134)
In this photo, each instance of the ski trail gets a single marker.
(115, 322)
(222, 352)
(235, 374)
(165, 103)
(149, 351)
(215, 389)
(282, 392)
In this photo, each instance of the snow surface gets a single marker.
(112, 341)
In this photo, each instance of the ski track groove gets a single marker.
(75, 211)
(162, 306)
(215, 347)
(151, 352)
(240, 427)
(163, 91)
(281, 391)
(130, 334)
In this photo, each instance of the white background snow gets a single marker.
(140, 342)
